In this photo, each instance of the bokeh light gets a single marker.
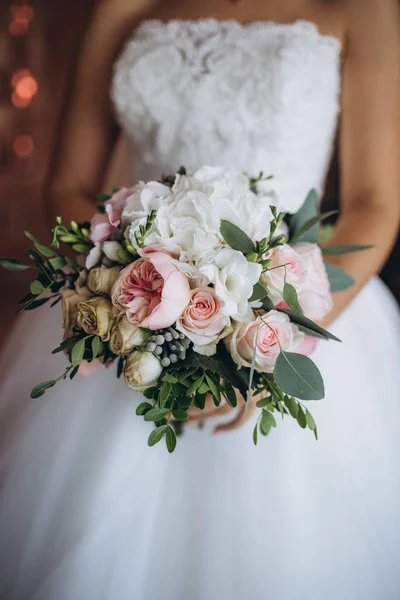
(22, 17)
(25, 88)
(23, 146)
(20, 102)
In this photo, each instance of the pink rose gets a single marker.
(102, 226)
(263, 333)
(285, 262)
(86, 369)
(314, 294)
(202, 321)
(151, 291)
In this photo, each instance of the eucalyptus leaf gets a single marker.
(236, 238)
(306, 232)
(339, 250)
(338, 279)
(259, 292)
(302, 321)
(77, 353)
(267, 304)
(170, 439)
(291, 298)
(156, 414)
(41, 388)
(298, 376)
(307, 211)
(156, 435)
(11, 264)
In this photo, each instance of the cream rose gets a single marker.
(267, 334)
(125, 337)
(101, 279)
(69, 302)
(142, 370)
(95, 316)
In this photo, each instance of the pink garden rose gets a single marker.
(315, 294)
(102, 226)
(285, 262)
(263, 333)
(202, 321)
(151, 291)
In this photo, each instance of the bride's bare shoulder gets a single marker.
(375, 19)
(120, 14)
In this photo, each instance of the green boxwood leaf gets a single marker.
(255, 434)
(263, 402)
(156, 435)
(11, 264)
(236, 238)
(180, 415)
(169, 378)
(41, 388)
(301, 418)
(213, 388)
(339, 280)
(298, 376)
(143, 408)
(310, 421)
(291, 298)
(170, 439)
(36, 288)
(292, 406)
(301, 320)
(77, 353)
(230, 396)
(268, 419)
(200, 400)
(156, 414)
(164, 393)
(339, 250)
(195, 386)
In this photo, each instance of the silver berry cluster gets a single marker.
(168, 344)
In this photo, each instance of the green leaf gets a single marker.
(78, 351)
(298, 376)
(301, 320)
(213, 388)
(338, 250)
(230, 396)
(120, 366)
(259, 292)
(73, 372)
(170, 439)
(267, 304)
(41, 388)
(292, 406)
(255, 434)
(180, 415)
(36, 288)
(97, 346)
(268, 419)
(57, 263)
(236, 238)
(35, 304)
(44, 250)
(65, 345)
(143, 408)
(310, 421)
(168, 378)
(263, 402)
(81, 248)
(301, 418)
(291, 298)
(339, 280)
(304, 235)
(156, 414)
(164, 393)
(264, 427)
(195, 386)
(156, 435)
(307, 211)
(200, 400)
(11, 264)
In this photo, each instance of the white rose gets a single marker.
(234, 278)
(110, 249)
(142, 370)
(145, 198)
(125, 337)
(187, 227)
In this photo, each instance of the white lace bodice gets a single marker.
(260, 97)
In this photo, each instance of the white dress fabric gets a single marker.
(88, 510)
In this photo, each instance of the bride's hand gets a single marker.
(196, 415)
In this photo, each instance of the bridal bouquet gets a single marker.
(195, 285)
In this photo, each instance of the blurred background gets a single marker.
(39, 43)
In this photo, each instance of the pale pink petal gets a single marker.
(86, 369)
(100, 228)
(174, 299)
(308, 345)
(115, 206)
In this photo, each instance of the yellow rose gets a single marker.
(101, 279)
(95, 316)
(125, 337)
(69, 302)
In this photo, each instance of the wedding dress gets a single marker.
(89, 511)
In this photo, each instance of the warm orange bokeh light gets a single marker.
(23, 146)
(20, 102)
(19, 27)
(26, 87)
(20, 74)
(24, 12)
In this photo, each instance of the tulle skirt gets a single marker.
(90, 512)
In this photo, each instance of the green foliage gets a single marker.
(11, 264)
(236, 238)
(339, 250)
(338, 279)
(156, 435)
(298, 376)
(143, 230)
(291, 298)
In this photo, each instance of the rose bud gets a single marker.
(95, 316)
(101, 279)
(69, 301)
(125, 337)
(142, 370)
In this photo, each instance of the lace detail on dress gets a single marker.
(261, 96)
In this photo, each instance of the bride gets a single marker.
(88, 511)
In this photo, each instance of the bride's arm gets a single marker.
(369, 142)
(89, 130)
